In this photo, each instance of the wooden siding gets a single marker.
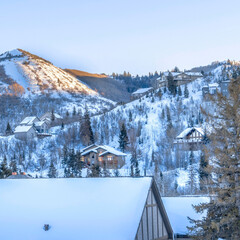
(152, 226)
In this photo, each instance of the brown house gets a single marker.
(102, 154)
(191, 138)
(180, 78)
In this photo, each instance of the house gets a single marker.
(83, 208)
(48, 116)
(190, 138)
(31, 127)
(42, 126)
(103, 155)
(179, 209)
(180, 78)
(23, 132)
(213, 88)
(141, 92)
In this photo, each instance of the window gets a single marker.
(109, 158)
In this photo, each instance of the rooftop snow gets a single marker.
(28, 120)
(111, 150)
(179, 208)
(142, 90)
(86, 208)
(20, 129)
(188, 130)
(193, 74)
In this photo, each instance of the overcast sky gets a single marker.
(113, 36)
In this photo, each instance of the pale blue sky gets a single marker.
(113, 36)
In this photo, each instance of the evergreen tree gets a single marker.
(74, 111)
(186, 92)
(223, 155)
(62, 126)
(4, 170)
(52, 116)
(179, 91)
(8, 129)
(203, 174)
(123, 138)
(171, 84)
(86, 129)
(52, 172)
(130, 116)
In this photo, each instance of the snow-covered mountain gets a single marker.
(30, 85)
(34, 75)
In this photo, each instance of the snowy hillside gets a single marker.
(36, 75)
(30, 85)
(152, 124)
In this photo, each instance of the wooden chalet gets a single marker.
(190, 139)
(103, 155)
(179, 77)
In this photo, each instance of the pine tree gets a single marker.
(52, 116)
(74, 111)
(171, 84)
(179, 91)
(52, 172)
(8, 129)
(4, 170)
(86, 129)
(223, 155)
(186, 92)
(62, 126)
(13, 164)
(203, 174)
(123, 138)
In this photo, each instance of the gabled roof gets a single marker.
(111, 150)
(88, 151)
(39, 124)
(80, 208)
(107, 149)
(188, 131)
(49, 114)
(22, 129)
(29, 120)
(194, 74)
(142, 90)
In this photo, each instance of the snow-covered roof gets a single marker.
(213, 85)
(80, 208)
(194, 74)
(174, 74)
(29, 120)
(21, 129)
(188, 130)
(142, 90)
(107, 149)
(39, 124)
(179, 208)
(88, 151)
(111, 150)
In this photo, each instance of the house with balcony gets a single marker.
(103, 155)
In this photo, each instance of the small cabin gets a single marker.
(83, 208)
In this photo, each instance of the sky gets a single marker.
(105, 36)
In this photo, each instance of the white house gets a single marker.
(141, 92)
(25, 132)
(83, 208)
